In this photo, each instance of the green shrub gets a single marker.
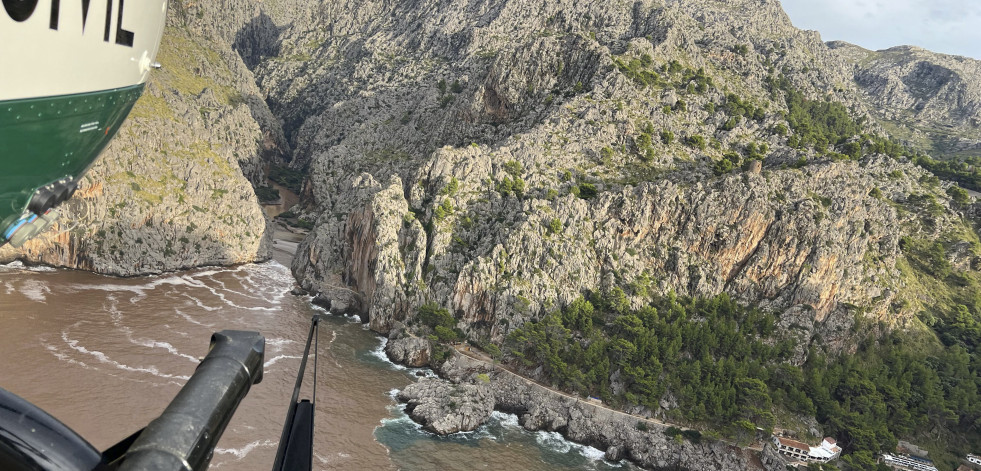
(959, 195)
(722, 166)
(431, 314)
(289, 178)
(443, 210)
(265, 193)
(445, 334)
(451, 188)
(586, 191)
(513, 168)
(731, 123)
(696, 141)
(555, 226)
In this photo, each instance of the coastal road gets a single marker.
(482, 357)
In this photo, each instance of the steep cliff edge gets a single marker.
(587, 147)
(499, 159)
(174, 189)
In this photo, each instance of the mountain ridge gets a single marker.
(500, 160)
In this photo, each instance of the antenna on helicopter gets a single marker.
(296, 441)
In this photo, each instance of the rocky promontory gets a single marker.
(444, 408)
(473, 389)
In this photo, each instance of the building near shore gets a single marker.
(799, 451)
(908, 463)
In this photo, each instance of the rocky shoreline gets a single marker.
(469, 390)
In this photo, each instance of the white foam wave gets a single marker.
(154, 283)
(148, 343)
(400, 418)
(199, 303)
(102, 358)
(207, 273)
(191, 319)
(592, 454)
(214, 291)
(379, 353)
(275, 359)
(278, 344)
(556, 442)
(17, 265)
(65, 358)
(505, 419)
(35, 290)
(351, 318)
(244, 451)
(553, 441)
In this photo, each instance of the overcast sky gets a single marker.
(948, 26)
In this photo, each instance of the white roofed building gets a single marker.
(793, 449)
(912, 463)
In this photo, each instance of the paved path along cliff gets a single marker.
(476, 385)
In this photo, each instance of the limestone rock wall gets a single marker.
(934, 98)
(472, 390)
(447, 142)
(174, 189)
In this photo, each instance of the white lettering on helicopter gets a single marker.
(22, 10)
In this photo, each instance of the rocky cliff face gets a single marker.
(447, 408)
(934, 98)
(173, 189)
(500, 158)
(473, 390)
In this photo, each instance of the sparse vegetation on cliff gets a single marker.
(530, 159)
(726, 366)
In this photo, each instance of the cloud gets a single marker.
(949, 10)
(948, 26)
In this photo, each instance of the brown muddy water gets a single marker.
(105, 356)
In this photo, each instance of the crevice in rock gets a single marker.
(257, 40)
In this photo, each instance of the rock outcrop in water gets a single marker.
(444, 408)
(473, 390)
(502, 157)
(406, 349)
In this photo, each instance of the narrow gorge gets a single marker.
(474, 170)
